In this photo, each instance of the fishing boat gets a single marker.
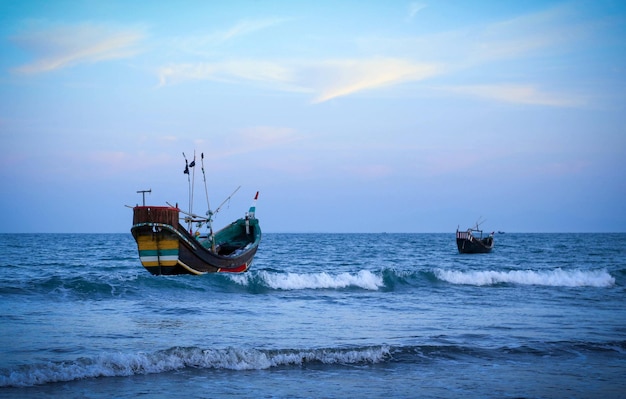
(471, 241)
(170, 240)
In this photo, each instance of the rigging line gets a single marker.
(226, 200)
(209, 212)
(206, 190)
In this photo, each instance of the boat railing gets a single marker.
(156, 214)
(463, 235)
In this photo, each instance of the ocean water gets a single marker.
(317, 316)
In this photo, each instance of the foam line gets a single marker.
(555, 278)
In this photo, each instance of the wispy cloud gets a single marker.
(414, 8)
(206, 44)
(65, 46)
(525, 35)
(249, 26)
(233, 71)
(341, 78)
(327, 80)
(521, 94)
(388, 62)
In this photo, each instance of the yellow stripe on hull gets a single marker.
(152, 261)
(190, 270)
(151, 243)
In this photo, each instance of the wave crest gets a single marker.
(240, 359)
(554, 278)
(298, 281)
(122, 365)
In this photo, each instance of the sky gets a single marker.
(347, 116)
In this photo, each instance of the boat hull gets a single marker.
(468, 244)
(166, 248)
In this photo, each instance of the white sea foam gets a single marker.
(298, 281)
(119, 364)
(556, 277)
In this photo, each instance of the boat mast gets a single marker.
(479, 222)
(193, 181)
(190, 183)
(186, 171)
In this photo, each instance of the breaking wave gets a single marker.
(177, 358)
(389, 278)
(386, 279)
(236, 359)
(297, 281)
(554, 278)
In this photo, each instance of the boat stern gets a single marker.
(158, 246)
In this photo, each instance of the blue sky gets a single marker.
(351, 116)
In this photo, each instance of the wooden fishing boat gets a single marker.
(166, 246)
(472, 241)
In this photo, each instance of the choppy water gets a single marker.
(341, 315)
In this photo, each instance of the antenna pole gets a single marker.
(143, 195)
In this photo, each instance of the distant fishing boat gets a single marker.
(471, 241)
(167, 247)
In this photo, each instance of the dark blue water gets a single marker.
(342, 315)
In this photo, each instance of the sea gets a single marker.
(317, 316)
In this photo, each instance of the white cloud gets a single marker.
(328, 80)
(341, 78)
(65, 46)
(229, 71)
(409, 60)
